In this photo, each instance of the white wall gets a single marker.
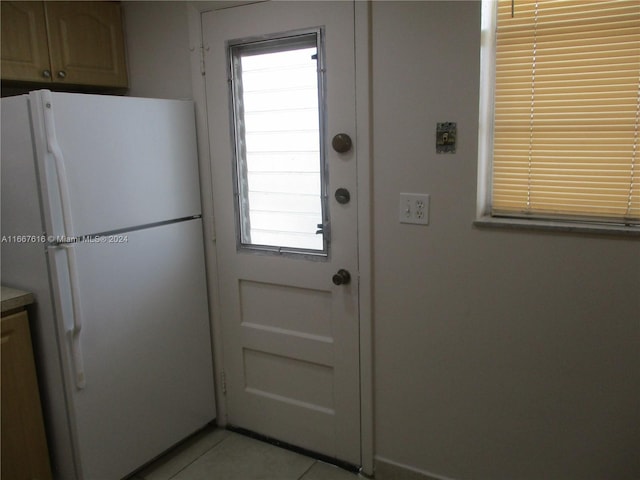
(157, 36)
(498, 354)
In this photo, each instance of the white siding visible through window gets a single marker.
(278, 146)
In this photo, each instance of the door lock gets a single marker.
(341, 143)
(343, 277)
(342, 196)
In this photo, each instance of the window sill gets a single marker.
(556, 226)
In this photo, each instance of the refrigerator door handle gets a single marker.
(54, 148)
(61, 173)
(73, 332)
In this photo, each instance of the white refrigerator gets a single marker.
(101, 220)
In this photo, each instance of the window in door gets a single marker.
(276, 91)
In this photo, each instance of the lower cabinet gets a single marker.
(24, 446)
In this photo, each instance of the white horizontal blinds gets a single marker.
(566, 109)
(281, 161)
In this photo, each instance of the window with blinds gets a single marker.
(567, 110)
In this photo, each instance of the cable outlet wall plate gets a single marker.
(414, 208)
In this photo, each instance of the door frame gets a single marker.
(362, 20)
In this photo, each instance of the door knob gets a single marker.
(341, 143)
(343, 277)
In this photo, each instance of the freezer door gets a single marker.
(118, 162)
(145, 343)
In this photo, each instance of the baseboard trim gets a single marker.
(386, 469)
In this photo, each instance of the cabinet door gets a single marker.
(86, 43)
(25, 53)
(24, 448)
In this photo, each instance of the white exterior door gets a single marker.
(289, 318)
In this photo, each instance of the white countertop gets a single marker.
(12, 299)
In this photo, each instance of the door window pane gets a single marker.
(278, 148)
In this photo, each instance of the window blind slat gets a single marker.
(609, 32)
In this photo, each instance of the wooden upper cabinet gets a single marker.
(25, 48)
(85, 43)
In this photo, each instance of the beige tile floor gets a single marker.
(217, 454)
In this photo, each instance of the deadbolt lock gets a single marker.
(342, 196)
(341, 143)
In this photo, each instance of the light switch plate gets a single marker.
(446, 133)
(414, 208)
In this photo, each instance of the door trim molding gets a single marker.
(362, 18)
(362, 33)
(194, 12)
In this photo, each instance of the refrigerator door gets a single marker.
(145, 345)
(114, 162)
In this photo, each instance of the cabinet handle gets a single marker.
(46, 73)
(62, 74)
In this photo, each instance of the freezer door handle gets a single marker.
(73, 332)
(53, 147)
(61, 173)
